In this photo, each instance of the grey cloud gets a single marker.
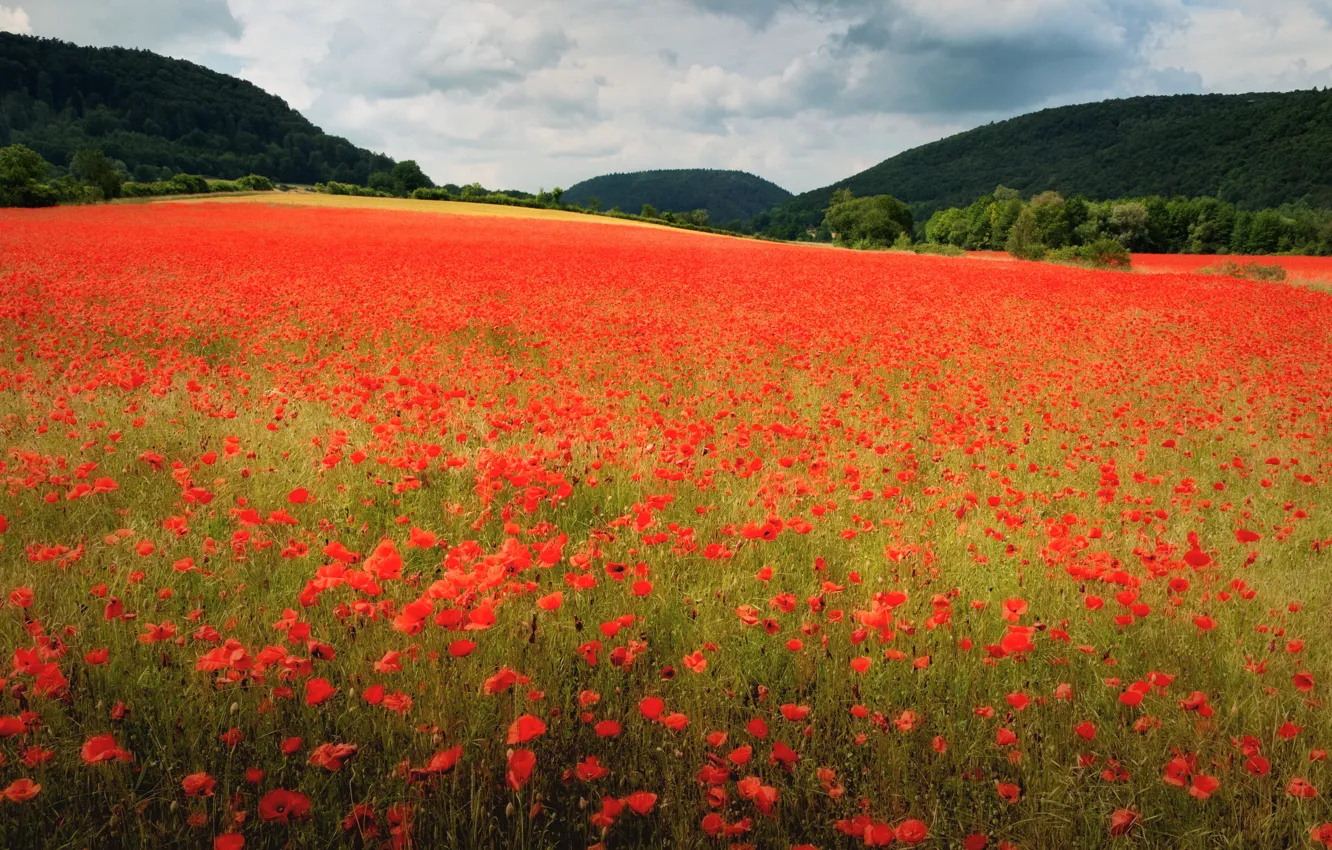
(406, 54)
(758, 13)
(1170, 81)
(959, 57)
(146, 23)
(997, 65)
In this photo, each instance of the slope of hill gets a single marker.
(1253, 150)
(726, 195)
(160, 116)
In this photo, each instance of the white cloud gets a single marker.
(1256, 46)
(14, 20)
(531, 93)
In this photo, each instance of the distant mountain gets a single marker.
(726, 195)
(160, 116)
(1253, 150)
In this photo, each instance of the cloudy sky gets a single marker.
(536, 93)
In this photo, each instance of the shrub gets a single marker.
(424, 194)
(189, 184)
(937, 248)
(255, 183)
(181, 184)
(1101, 254)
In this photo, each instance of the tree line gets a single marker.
(1151, 224)
(1256, 151)
(28, 180)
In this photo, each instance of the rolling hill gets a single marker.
(1253, 150)
(160, 116)
(726, 195)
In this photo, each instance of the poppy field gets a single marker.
(1301, 269)
(334, 527)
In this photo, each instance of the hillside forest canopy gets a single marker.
(1254, 151)
(157, 117)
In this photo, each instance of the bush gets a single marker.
(181, 184)
(936, 248)
(189, 184)
(255, 183)
(334, 188)
(432, 195)
(1247, 271)
(1101, 254)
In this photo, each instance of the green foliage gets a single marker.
(935, 248)
(407, 177)
(649, 211)
(873, 222)
(160, 116)
(255, 183)
(1252, 151)
(1024, 238)
(1101, 254)
(726, 195)
(1052, 229)
(432, 195)
(193, 184)
(93, 168)
(1247, 271)
(334, 188)
(1152, 225)
(23, 175)
(180, 184)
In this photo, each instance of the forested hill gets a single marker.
(1252, 150)
(160, 116)
(726, 195)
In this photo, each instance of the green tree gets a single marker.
(948, 227)
(407, 177)
(1052, 228)
(1266, 230)
(93, 167)
(23, 175)
(876, 221)
(1128, 224)
(1003, 215)
(1024, 240)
